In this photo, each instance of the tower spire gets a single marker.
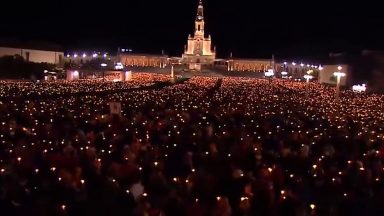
(200, 11)
(199, 23)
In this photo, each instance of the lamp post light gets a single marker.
(308, 77)
(103, 65)
(338, 75)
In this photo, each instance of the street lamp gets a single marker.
(338, 75)
(308, 77)
(103, 65)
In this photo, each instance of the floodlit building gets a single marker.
(198, 50)
(199, 55)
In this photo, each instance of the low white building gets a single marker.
(34, 55)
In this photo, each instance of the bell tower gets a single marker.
(199, 51)
(199, 23)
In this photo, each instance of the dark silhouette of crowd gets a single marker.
(208, 146)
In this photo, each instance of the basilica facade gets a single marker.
(198, 50)
(199, 56)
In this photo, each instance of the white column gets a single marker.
(128, 75)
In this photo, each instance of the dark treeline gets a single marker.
(15, 67)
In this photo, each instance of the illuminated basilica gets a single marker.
(199, 54)
(199, 51)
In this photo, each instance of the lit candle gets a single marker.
(243, 198)
(312, 206)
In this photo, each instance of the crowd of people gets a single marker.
(207, 146)
(9, 89)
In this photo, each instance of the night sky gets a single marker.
(248, 28)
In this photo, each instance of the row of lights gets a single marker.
(84, 55)
(95, 55)
(126, 50)
(284, 74)
(308, 65)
